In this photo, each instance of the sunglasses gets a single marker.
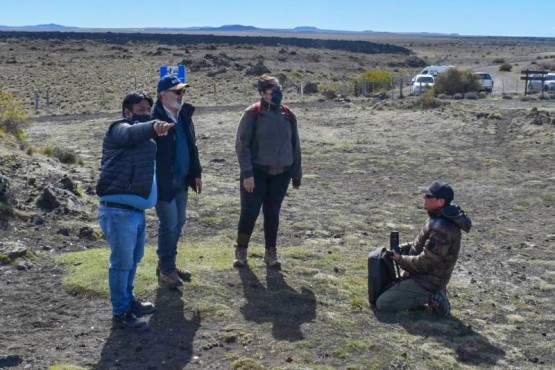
(178, 92)
(429, 196)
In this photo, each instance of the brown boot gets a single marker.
(271, 258)
(183, 274)
(240, 257)
(170, 280)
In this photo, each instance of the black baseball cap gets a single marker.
(439, 189)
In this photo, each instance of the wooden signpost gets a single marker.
(528, 76)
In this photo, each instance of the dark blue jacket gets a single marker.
(165, 156)
(128, 154)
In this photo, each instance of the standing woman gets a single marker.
(269, 154)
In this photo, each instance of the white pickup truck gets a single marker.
(485, 80)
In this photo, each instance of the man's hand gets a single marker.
(162, 127)
(248, 184)
(198, 183)
(395, 256)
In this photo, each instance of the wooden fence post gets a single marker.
(36, 93)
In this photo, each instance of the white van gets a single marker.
(431, 71)
(434, 70)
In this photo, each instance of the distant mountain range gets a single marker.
(225, 28)
(39, 27)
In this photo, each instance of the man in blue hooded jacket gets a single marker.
(126, 188)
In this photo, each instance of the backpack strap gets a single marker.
(257, 108)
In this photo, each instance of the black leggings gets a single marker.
(269, 191)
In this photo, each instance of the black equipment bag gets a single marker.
(381, 274)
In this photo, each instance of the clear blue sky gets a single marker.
(470, 17)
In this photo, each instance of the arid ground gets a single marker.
(363, 160)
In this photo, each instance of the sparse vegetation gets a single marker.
(455, 81)
(505, 67)
(30, 150)
(12, 115)
(364, 159)
(428, 99)
(66, 367)
(64, 155)
(372, 81)
(310, 88)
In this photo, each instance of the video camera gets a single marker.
(394, 243)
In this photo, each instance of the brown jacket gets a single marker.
(433, 254)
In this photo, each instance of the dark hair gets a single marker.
(135, 97)
(266, 82)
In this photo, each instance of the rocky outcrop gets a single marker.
(53, 198)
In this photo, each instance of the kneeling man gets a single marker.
(429, 260)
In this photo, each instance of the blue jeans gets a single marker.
(125, 233)
(172, 219)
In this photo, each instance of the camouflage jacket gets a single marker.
(431, 257)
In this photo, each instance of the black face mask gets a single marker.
(277, 96)
(140, 118)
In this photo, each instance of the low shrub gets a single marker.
(12, 116)
(333, 89)
(373, 80)
(505, 67)
(428, 99)
(499, 60)
(65, 155)
(46, 150)
(455, 81)
(310, 88)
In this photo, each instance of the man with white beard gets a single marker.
(177, 169)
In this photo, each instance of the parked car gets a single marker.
(422, 83)
(432, 71)
(536, 82)
(486, 82)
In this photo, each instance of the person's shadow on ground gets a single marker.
(167, 345)
(471, 347)
(277, 303)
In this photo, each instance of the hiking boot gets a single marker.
(240, 257)
(170, 280)
(140, 308)
(183, 274)
(440, 303)
(271, 258)
(129, 320)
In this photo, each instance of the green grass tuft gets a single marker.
(66, 367)
(246, 364)
(88, 270)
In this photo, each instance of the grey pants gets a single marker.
(404, 295)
